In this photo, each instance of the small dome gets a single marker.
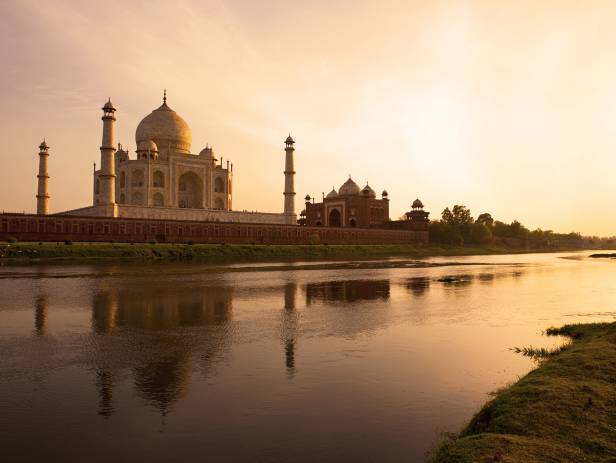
(417, 204)
(307, 198)
(384, 193)
(207, 153)
(368, 191)
(44, 146)
(289, 140)
(349, 188)
(166, 128)
(147, 145)
(332, 194)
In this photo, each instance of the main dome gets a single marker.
(165, 128)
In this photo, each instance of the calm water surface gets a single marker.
(179, 362)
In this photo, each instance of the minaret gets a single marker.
(289, 184)
(42, 197)
(107, 173)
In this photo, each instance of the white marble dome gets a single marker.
(166, 129)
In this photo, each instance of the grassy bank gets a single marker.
(563, 411)
(24, 252)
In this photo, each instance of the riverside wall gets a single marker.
(30, 227)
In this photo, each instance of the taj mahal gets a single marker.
(165, 180)
(165, 192)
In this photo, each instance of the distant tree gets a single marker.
(444, 233)
(485, 219)
(459, 215)
(480, 233)
(447, 216)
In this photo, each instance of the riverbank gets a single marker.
(34, 252)
(563, 411)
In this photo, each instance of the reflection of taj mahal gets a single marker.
(164, 180)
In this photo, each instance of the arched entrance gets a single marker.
(335, 219)
(190, 191)
(158, 200)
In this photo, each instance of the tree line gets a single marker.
(458, 227)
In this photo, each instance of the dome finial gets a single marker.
(165, 96)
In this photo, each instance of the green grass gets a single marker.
(21, 252)
(563, 411)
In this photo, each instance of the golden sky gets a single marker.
(508, 107)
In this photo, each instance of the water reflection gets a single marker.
(40, 315)
(155, 332)
(156, 335)
(289, 326)
(458, 279)
(347, 291)
(418, 286)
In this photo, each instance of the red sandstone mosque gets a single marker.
(166, 193)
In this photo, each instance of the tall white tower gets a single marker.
(42, 196)
(107, 175)
(289, 182)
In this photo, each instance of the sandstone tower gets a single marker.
(42, 197)
(289, 182)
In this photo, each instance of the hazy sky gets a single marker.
(508, 107)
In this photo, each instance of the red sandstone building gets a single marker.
(354, 207)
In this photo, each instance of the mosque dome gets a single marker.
(166, 128)
(332, 194)
(368, 191)
(43, 146)
(349, 188)
(417, 204)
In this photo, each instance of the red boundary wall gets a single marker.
(29, 227)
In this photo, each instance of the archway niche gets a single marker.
(218, 185)
(190, 191)
(137, 198)
(158, 200)
(158, 179)
(136, 178)
(335, 219)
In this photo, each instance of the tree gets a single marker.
(459, 215)
(485, 219)
(480, 233)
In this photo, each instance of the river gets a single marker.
(185, 362)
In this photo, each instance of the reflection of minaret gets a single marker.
(289, 326)
(104, 308)
(104, 379)
(40, 315)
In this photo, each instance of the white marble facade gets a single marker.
(164, 180)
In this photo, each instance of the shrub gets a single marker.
(68, 242)
(11, 240)
(314, 239)
(190, 243)
(152, 241)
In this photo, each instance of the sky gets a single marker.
(507, 107)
